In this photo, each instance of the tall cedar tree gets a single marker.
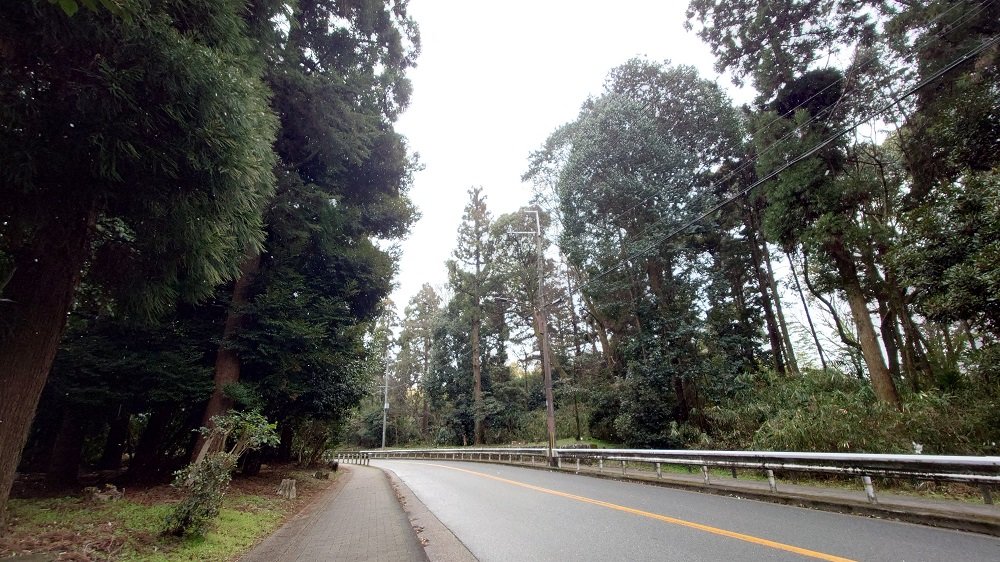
(467, 273)
(415, 343)
(138, 149)
(342, 174)
(946, 135)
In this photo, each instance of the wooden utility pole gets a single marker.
(543, 321)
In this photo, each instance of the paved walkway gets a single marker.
(359, 519)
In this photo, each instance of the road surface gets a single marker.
(505, 513)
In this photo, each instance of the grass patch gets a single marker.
(233, 534)
(74, 528)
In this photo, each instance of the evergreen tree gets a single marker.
(343, 174)
(467, 274)
(635, 166)
(416, 341)
(138, 149)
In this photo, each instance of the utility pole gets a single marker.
(385, 405)
(543, 320)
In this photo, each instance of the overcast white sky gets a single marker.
(493, 80)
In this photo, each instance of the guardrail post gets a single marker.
(771, 482)
(734, 472)
(623, 468)
(987, 494)
(869, 489)
(659, 471)
(558, 462)
(600, 465)
(578, 465)
(704, 473)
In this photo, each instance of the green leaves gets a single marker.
(166, 132)
(207, 479)
(121, 8)
(68, 6)
(950, 253)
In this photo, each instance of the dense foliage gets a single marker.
(209, 191)
(206, 479)
(199, 198)
(812, 271)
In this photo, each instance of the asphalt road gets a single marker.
(507, 513)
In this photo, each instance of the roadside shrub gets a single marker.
(207, 479)
(206, 484)
(606, 405)
(827, 411)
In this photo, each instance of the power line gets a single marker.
(809, 153)
(647, 200)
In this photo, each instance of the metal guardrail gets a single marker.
(356, 457)
(981, 471)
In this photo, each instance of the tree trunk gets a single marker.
(886, 312)
(887, 326)
(39, 295)
(114, 447)
(252, 461)
(805, 307)
(425, 418)
(881, 379)
(969, 335)
(793, 365)
(64, 464)
(574, 321)
(844, 336)
(146, 465)
(747, 346)
(477, 393)
(576, 412)
(950, 355)
(602, 327)
(425, 415)
(227, 362)
(284, 453)
(773, 333)
(682, 409)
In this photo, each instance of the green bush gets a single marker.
(206, 483)
(829, 412)
(206, 480)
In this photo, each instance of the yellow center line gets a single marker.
(657, 516)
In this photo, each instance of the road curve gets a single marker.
(508, 513)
